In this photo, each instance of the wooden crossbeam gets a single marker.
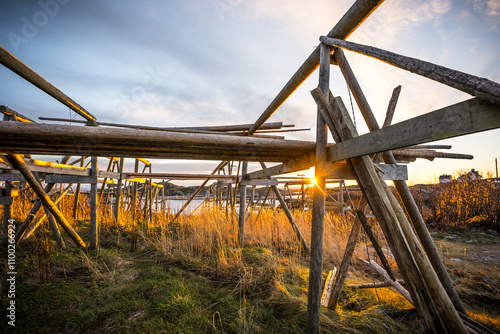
(337, 170)
(55, 139)
(358, 12)
(18, 67)
(463, 118)
(480, 87)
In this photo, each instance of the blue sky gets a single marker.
(207, 62)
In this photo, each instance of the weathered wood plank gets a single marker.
(16, 66)
(55, 139)
(336, 170)
(217, 128)
(57, 178)
(177, 176)
(318, 207)
(480, 87)
(94, 219)
(259, 182)
(463, 118)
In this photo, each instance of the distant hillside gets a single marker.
(176, 190)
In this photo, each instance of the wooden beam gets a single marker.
(94, 219)
(18, 161)
(215, 128)
(243, 202)
(178, 176)
(336, 170)
(480, 87)
(16, 66)
(57, 178)
(55, 139)
(318, 207)
(358, 12)
(463, 118)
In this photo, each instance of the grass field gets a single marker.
(190, 277)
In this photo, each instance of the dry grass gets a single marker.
(269, 274)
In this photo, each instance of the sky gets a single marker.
(212, 62)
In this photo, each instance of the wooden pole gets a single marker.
(317, 226)
(16, 66)
(94, 222)
(243, 202)
(55, 230)
(6, 216)
(358, 12)
(77, 193)
(480, 87)
(18, 161)
(241, 128)
(401, 186)
(54, 139)
(395, 284)
(118, 192)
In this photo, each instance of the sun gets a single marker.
(314, 181)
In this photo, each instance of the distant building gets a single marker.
(445, 178)
(471, 176)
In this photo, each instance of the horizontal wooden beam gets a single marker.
(337, 170)
(460, 119)
(215, 128)
(480, 87)
(259, 182)
(178, 176)
(18, 67)
(45, 166)
(58, 178)
(79, 140)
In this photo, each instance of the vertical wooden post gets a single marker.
(341, 198)
(94, 223)
(77, 193)
(134, 191)
(317, 228)
(6, 217)
(118, 192)
(243, 202)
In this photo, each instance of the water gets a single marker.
(176, 204)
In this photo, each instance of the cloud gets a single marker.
(489, 9)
